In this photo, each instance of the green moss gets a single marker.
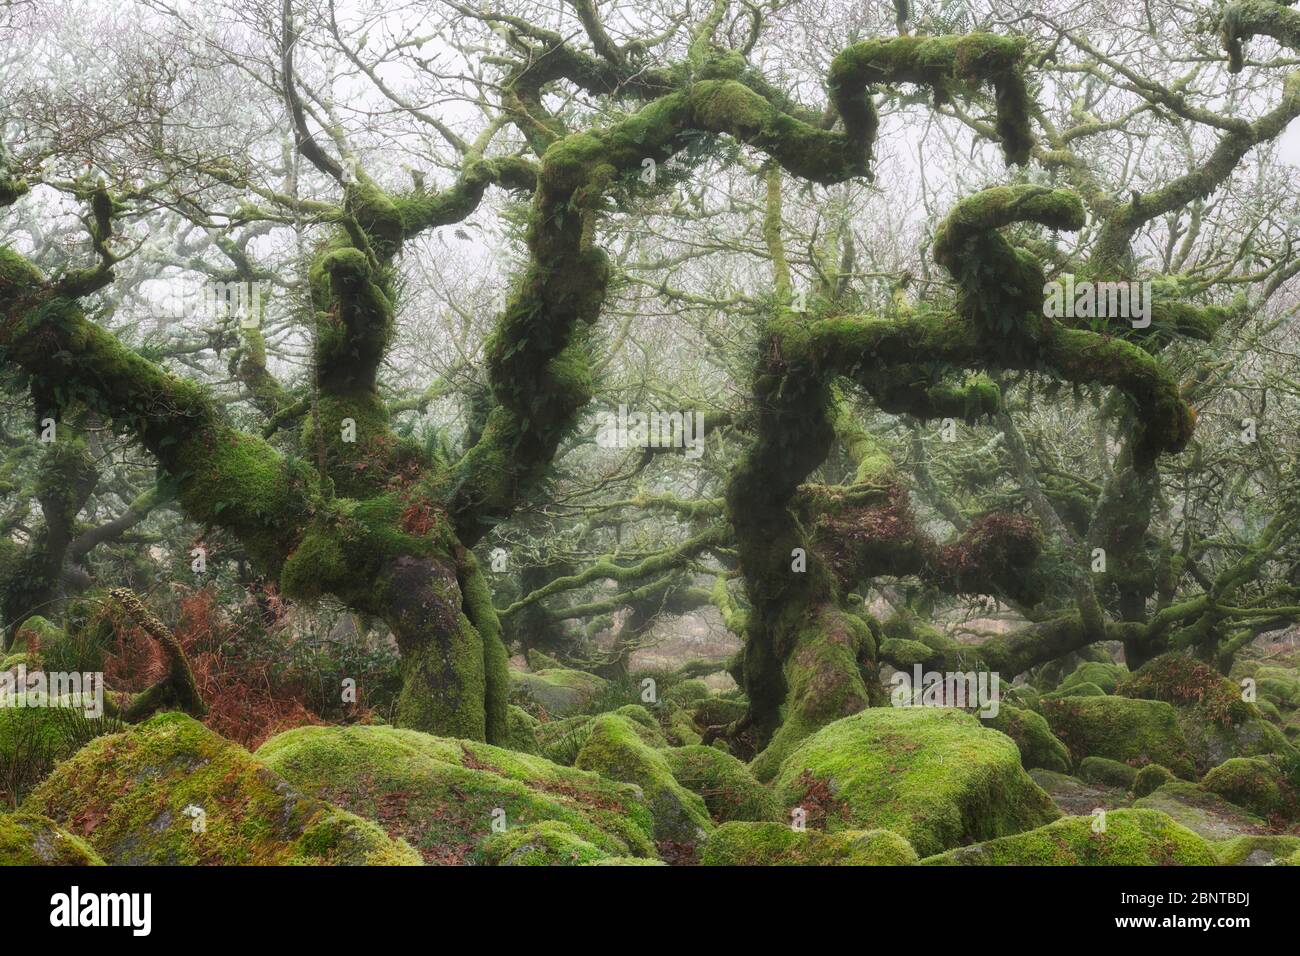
(556, 692)
(776, 844)
(933, 775)
(522, 727)
(132, 797)
(1130, 838)
(687, 692)
(1202, 811)
(1081, 689)
(29, 839)
(444, 795)
(1109, 773)
(1151, 778)
(615, 750)
(729, 790)
(1104, 675)
(1255, 784)
(548, 843)
(1256, 850)
(1038, 746)
(1131, 731)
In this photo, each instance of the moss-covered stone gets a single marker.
(729, 790)
(687, 692)
(776, 844)
(1081, 689)
(548, 843)
(521, 730)
(556, 692)
(445, 795)
(1202, 811)
(1268, 850)
(1129, 838)
(1131, 731)
(616, 751)
(170, 791)
(1100, 673)
(1110, 773)
(1216, 722)
(1038, 746)
(1075, 797)
(933, 775)
(29, 839)
(1151, 778)
(1254, 784)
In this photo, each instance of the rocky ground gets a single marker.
(1167, 765)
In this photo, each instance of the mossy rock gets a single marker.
(1082, 689)
(1129, 838)
(1103, 675)
(1025, 697)
(29, 839)
(1038, 746)
(678, 725)
(1217, 724)
(561, 740)
(169, 791)
(444, 795)
(717, 711)
(541, 661)
(1282, 691)
(556, 691)
(933, 775)
(1202, 811)
(1151, 778)
(521, 730)
(776, 844)
(687, 692)
(1254, 784)
(615, 750)
(1269, 710)
(1110, 773)
(1075, 797)
(1129, 730)
(548, 843)
(1211, 743)
(1267, 850)
(729, 790)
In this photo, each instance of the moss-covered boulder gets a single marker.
(1120, 838)
(548, 843)
(729, 790)
(932, 775)
(1268, 850)
(776, 844)
(1151, 778)
(561, 740)
(687, 692)
(1083, 689)
(1110, 773)
(1217, 723)
(1038, 746)
(1075, 797)
(1101, 674)
(678, 724)
(29, 839)
(521, 730)
(170, 791)
(717, 711)
(1129, 730)
(1254, 784)
(1202, 811)
(444, 796)
(556, 691)
(614, 749)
